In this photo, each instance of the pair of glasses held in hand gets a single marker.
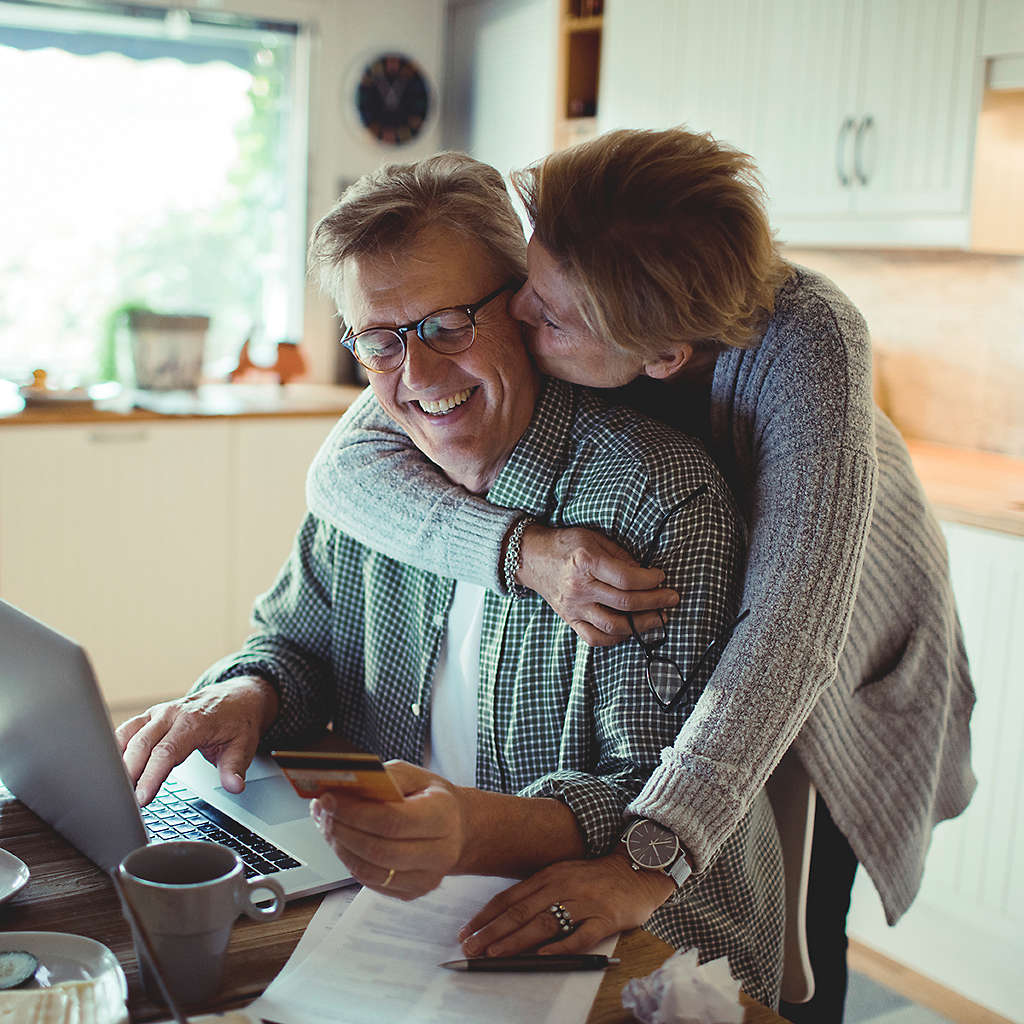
(666, 679)
(668, 682)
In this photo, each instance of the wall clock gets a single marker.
(393, 98)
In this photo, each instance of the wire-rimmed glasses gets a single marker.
(448, 331)
(667, 681)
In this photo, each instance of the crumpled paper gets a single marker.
(681, 992)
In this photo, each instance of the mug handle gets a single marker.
(275, 910)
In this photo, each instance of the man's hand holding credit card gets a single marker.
(314, 772)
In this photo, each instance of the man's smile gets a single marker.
(443, 406)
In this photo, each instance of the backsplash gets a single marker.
(948, 336)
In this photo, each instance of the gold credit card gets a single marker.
(312, 772)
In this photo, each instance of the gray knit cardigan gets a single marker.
(853, 652)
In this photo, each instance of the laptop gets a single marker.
(59, 756)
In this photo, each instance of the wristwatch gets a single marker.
(653, 847)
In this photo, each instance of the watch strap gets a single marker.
(679, 870)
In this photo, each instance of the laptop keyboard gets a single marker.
(177, 813)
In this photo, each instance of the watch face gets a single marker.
(650, 845)
(393, 99)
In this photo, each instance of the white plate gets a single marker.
(13, 875)
(64, 957)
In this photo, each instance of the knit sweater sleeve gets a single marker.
(763, 689)
(801, 413)
(370, 481)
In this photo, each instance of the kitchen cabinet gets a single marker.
(892, 139)
(117, 535)
(268, 485)
(859, 113)
(147, 541)
(966, 927)
(670, 62)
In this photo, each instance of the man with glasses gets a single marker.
(516, 744)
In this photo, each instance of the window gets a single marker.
(151, 157)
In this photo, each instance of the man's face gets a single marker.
(467, 411)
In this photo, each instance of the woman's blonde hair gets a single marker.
(663, 234)
(384, 210)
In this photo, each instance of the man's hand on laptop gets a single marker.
(224, 721)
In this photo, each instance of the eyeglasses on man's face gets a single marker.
(449, 331)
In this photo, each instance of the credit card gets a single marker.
(312, 772)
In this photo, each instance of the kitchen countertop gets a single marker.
(977, 488)
(973, 487)
(208, 401)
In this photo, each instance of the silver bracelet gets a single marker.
(513, 559)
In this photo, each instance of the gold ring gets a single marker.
(387, 881)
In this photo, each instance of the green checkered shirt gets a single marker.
(351, 637)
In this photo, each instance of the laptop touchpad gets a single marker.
(273, 800)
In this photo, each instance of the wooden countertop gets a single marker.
(973, 487)
(209, 401)
(968, 486)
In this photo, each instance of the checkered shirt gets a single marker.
(351, 638)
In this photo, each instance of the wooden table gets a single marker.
(68, 893)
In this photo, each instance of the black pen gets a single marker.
(554, 962)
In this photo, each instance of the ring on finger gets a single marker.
(565, 922)
(387, 881)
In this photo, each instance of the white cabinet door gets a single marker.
(116, 534)
(916, 107)
(805, 125)
(268, 486)
(667, 63)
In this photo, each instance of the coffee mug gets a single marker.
(187, 895)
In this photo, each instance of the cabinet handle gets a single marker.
(866, 125)
(118, 436)
(844, 133)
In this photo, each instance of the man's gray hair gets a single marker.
(383, 211)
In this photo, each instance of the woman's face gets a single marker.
(561, 344)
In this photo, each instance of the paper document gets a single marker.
(378, 961)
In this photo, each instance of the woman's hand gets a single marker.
(402, 848)
(590, 581)
(603, 896)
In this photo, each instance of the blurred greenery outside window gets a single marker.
(153, 158)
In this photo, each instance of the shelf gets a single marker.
(581, 9)
(579, 66)
(582, 69)
(592, 23)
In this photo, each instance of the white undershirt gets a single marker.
(451, 746)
